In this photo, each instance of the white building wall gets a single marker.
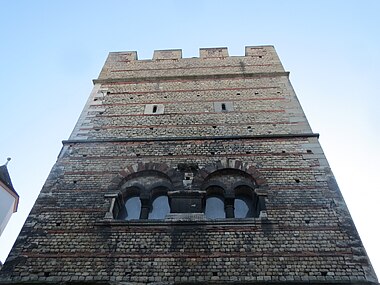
(6, 207)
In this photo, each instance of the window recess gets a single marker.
(223, 106)
(154, 109)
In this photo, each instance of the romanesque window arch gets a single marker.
(132, 208)
(144, 195)
(214, 208)
(159, 203)
(129, 203)
(244, 202)
(231, 194)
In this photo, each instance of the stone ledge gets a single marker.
(273, 136)
(184, 217)
(187, 222)
(189, 77)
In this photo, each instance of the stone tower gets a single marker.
(190, 170)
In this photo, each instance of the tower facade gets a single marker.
(190, 170)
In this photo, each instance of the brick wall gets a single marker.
(304, 234)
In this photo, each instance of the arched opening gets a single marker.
(243, 206)
(215, 207)
(132, 208)
(244, 203)
(145, 196)
(160, 208)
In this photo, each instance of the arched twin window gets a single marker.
(152, 209)
(145, 196)
(230, 194)
(217, 207)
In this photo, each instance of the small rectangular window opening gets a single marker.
(154, 109)
(223, 106)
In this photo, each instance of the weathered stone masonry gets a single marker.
(200, 133)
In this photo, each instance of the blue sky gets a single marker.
(51, 50)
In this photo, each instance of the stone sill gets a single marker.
(187, 221)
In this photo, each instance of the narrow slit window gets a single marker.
(154, 109)
(223, 106)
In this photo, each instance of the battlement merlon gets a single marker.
(257, 61)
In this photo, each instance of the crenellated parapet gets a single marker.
(257, 61)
